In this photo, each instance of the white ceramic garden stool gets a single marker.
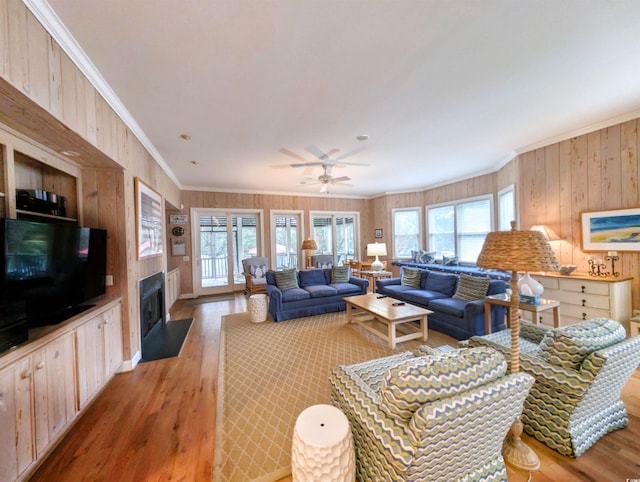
(322, 449)
(258, 308)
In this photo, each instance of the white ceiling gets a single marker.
(445, 89)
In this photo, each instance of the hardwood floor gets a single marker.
(158, 422)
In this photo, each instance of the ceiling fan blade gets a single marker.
(319, 154)
(340, 179)
(287, 152)
(307, 164)
(349, 154)
(344, 163)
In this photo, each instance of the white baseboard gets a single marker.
(129, 365)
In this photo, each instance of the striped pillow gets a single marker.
(426, 379)
(286, 279)
(471, 288)
(411, 277)
(569, 345)
(340, 274)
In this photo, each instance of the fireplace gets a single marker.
(152, 309)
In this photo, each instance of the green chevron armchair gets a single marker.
(579, 372)
(436, 417)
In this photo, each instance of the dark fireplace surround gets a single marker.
(152, 309)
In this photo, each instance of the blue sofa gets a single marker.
(315, 294)
(454, 317)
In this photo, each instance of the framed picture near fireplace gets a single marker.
(148, 220)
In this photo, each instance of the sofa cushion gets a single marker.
(443, 282)
(568, 346)
(320, 291)
(286, 279)
(450, 260)
(340, 274)
(423, 257)
(471, 287)
(295, 294)
(425, 379)
(397, 290)
(450, 306)
(345, 288)
(311, 277)
(411, 277)
(421, 297)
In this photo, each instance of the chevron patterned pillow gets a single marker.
(471, 288)
(568, 346)
(429, 378)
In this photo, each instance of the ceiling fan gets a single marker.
(325, 179)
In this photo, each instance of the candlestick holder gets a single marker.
(613, 260)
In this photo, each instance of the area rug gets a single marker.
(269, 373)
(165, 340)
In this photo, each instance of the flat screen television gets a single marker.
(48, 273)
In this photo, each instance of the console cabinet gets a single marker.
(583, 297)
(47, 382)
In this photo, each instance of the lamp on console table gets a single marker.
(377, 249)
(309, 245)
(517, 251)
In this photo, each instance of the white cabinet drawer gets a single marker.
(585, 286)
(582, 312)
(584, 300)
(548, 283)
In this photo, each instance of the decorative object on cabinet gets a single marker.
(567, 269)
(517, 251)
(309, 245)
(377, 249)
(618, 229)
(148, 220)
(598, 267)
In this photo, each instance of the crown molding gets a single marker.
(59, 32)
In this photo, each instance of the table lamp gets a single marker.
(376, 249)
(517, 251)
(309, 245)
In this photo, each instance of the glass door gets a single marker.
(286, 239)
(221, 241)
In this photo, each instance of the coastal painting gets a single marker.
(617, 230)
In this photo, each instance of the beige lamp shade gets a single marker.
(377, 249)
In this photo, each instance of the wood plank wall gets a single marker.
(592, 172)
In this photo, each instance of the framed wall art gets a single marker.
(615, 230)
(149, 227)
(378, 233)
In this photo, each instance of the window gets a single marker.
(406, 232)
(286, 238)
(459, 229)
(506, 208)
(336, 234)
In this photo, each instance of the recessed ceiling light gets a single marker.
(362, 137)
(194, 162)
(186, 137)
(70, 153)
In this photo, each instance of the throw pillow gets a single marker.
(340, 274)
(568, 346)
(450, 261)
(411, 277)
(286, 279)
(425, 379)
(414, 255)
(471, 288)
(258, 271)
(425, 257)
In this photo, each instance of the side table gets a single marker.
(503, 300)
(322, 448)
(258, 308)
(372, 276)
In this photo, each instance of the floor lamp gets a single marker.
(517, 251)
(309, 245)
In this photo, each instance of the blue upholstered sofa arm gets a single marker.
(361, 282)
